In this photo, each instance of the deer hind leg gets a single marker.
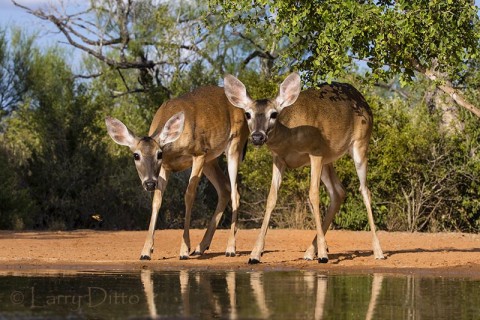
(314, 195)
(234, 156)
(185, 280)
(156, 203)
(257, 284)
(336, 193)
(278, 169)
(359, 153)
(216, 176)
(197, 168)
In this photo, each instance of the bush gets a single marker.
(60, 170)
(16, 204)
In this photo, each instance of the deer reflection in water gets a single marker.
(256, 294)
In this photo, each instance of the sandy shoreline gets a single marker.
(446, 254)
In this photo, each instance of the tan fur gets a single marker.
(212, 122)
(321, 122)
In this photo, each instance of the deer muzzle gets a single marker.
(150, 185)
(259, 138)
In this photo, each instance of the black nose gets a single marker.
(149, 185)
(258, 138)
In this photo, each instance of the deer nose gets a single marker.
(150, 185)
(258, 138)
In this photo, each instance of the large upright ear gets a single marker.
(120, 133)
(236, 92)
(172, 129)
(289, 91)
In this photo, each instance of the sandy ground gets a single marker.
(453, 254)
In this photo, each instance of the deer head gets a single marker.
(147, 151)
(262, 115)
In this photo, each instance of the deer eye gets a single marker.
(136, 156)
(159, 155)
(273, 115)
(248, 115)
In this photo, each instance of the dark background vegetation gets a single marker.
(59, 170)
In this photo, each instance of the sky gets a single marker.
(12, 15)
(48, 34)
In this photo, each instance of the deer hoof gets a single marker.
(253, 261)
(183, 257)
(196, 253)
(230, 254)
(322, 260)
(144, 257)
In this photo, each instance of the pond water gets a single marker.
(236, 295)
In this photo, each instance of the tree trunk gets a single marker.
(443, 103)
(452, 92)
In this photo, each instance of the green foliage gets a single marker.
(53, 144)
(60, 170)
(418, 174)
(15, 58)
(16, 204)
(405, 35)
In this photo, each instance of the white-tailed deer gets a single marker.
(313, 127)
(190, 131)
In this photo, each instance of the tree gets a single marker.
(156, 41)
(15, 60)
(125, 35)
(439, 39)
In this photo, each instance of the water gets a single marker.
(237, 295)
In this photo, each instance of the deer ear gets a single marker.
(236, 92)
(289, 91)
(172, 129)
(120, 133)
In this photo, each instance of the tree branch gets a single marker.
(390, 87)
(63, 27)
(87, 76)
(445, 85)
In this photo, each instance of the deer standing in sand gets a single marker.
(314, 127)
(191, 131)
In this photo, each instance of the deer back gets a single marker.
(211, 122)
(324, 121)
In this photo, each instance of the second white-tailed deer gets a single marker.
(313, 127)
(191, 131)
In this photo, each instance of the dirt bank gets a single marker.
(438, 253)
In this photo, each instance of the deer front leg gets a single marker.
(278, 169)
(197, 168)
(156, 203)
(147, 281)
(315, 178)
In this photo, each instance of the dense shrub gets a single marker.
(60, 170)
